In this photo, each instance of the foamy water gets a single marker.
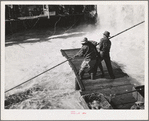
(129, 47)
(27, 60)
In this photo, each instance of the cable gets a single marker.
(35, 23)
(55, 25)
(71, 26)
(67, 29)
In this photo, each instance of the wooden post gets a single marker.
(137, 95)
(79, 82)
(76, 85)
(47, 7)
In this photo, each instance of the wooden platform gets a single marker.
(104, 85)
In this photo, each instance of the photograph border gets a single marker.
(66, 114)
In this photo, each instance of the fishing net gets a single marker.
(97, 101)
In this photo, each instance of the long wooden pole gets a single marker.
(127, 29)
(39, 74)
(69, 59)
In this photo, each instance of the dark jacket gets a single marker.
(105, 45)
(88, 51)
(95, 44)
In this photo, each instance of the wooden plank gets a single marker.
(137, 95)
(71, 52)
(110, 90)
(76, 73)
(83, 103)
(122, 99)
(103, 81)
(125, 106)
(106, 85)
(76, 85)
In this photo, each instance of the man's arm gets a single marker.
(100, 45)
(93, 42)
(81, 51)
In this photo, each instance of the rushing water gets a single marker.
(26, 60)
(128, 48)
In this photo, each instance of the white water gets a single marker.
(128, 48)
(29, 59)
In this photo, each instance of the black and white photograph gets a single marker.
(74, 60)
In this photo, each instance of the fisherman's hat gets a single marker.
(106, 33)
(84, 41)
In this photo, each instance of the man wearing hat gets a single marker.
(88, 51)
(98, 60)
(104, 49)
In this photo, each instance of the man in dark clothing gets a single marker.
(87, 51)
(104, 49)
(98, 60)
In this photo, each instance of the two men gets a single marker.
(93, 56)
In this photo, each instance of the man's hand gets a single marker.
(75, 56)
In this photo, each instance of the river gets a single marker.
(23, 61)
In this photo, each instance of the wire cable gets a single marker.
(55, 25)
(71, 26)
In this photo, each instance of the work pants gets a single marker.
(98, 64)
(106, 58)
(87, 66)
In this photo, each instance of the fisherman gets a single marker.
(98, 61)
(88, 51)
(104, 49)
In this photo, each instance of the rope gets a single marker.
(67, 29)
(35, 23)
(55, 25)
(71, 26)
